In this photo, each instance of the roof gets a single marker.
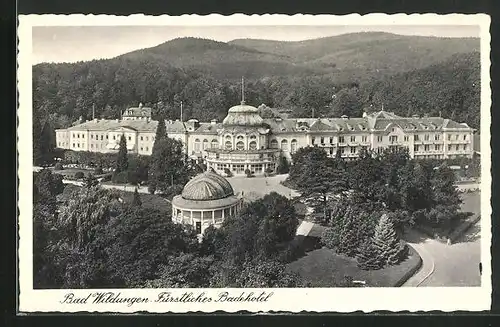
(207, 186)
(179, 202)
(138, 111)
(243, 108)
(138, 125)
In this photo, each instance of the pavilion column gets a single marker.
(192, 221)
(213, 217)
(174, 218)
(223, 214)
(201, 217)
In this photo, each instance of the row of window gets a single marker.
(437, 147)
(284, 145)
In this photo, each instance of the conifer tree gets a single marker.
(37, 145)
(390, 250)
(283, 165)
(121, 159)
(367, 256)
(348, 238)
(136, 201)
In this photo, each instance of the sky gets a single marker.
(82, 43)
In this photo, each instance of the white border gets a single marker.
(289, 300)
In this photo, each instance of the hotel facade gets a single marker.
(244, 140)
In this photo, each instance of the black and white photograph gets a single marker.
(238, 163)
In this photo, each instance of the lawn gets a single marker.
(151, 201)
(322, 267)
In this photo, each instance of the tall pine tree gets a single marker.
(390, 250)
(121, 159)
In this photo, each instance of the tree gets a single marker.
(183, 270)
(367, 256)
(91, 181)
(141, 241)
(121, 158)
(318, 178)
(136, 201)
(283, 165)
(346, 102)
(167, 165)
(390, 250)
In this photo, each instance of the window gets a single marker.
(353, 149)
(78, 145)
(449, 147)
(426, 137)
(205, 144)
(147, 149)
(92, 146)
(322, 140)
(456, 137)
(91, 136)
(380, 138)
(142, 139)
(252, 137)
(426, 147)
(456, 147)
(73, 135)
(228, 145)
(341, 139)
(437, 147)
(313, 140)
(331, 140)
(114, 137)
(293, 146)
(406, 138)
(342, 150)
(364, 139)
(83, 136)
(284, 145)
(416, 148)
(130, 138)
(436, 137)
(142, 148)
(393, 138)
(78, 135)
(465, 137)
(252, 145)
(416, 138)
(393, 130)
(197, 145)
(240, 145)
(214, 144)
(147, 138)
(353, 138)
(449, 137)
(465, 147)
(107, 137)
(73, 144)
(274, 144)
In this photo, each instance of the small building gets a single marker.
(206, 200)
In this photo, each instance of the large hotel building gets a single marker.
(244, 140)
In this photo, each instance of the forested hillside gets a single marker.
(333, 76)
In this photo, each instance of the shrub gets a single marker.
(79, 175)
(249, 173)
(330, 238)
(173, 190)
(98, 171)
(228, 172)
(120, 178)
(58, 166)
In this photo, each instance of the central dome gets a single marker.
(207, 186)
(243, 115)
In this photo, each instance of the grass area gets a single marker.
(325, 268)
(151, 201)
(322, 267)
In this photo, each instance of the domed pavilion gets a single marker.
(206, 200)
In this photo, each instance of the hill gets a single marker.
(404, 73)
(221, 60)
(371, 51)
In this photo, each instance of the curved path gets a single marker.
(428, 265)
